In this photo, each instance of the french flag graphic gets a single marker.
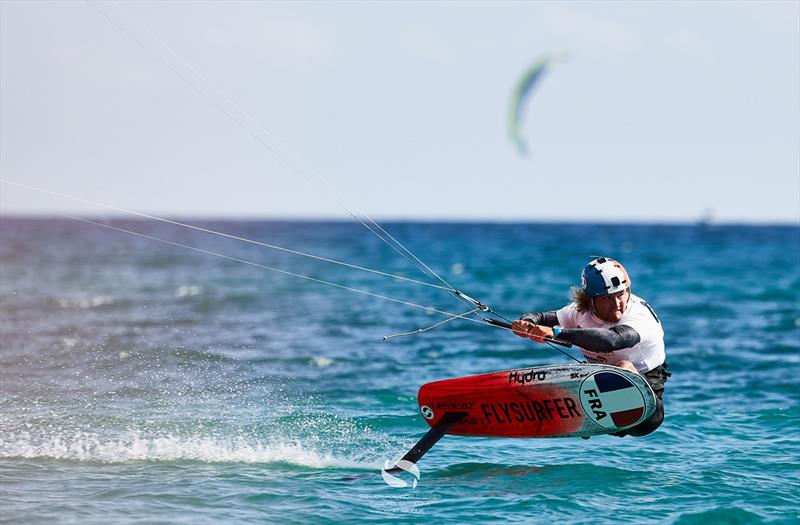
(612, 400)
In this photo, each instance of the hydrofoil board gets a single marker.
(539, 402)
(544, 401)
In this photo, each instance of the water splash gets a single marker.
(136, 446)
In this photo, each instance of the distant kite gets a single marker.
(523, 90)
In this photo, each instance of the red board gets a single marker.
(547, 401)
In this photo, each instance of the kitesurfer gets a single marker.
(610, 325)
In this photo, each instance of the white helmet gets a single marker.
(604, 276)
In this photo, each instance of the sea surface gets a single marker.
(143, 382)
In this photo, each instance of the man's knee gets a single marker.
(627, 365)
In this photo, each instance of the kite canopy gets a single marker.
(521, 94)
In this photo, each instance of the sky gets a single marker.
(662, 112)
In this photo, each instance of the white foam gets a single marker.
(321, 361)
(85, 446)
(188, 291)
(92, 302)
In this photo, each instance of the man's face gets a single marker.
(611, 308)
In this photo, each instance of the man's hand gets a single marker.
(535, 332)
(520, 327)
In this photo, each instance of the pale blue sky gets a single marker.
(662, 112)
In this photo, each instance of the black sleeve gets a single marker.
(602, 339)
(541, 318)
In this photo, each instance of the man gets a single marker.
(610, 325)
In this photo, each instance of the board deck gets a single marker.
(545, 401)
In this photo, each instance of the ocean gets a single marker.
(143, 382)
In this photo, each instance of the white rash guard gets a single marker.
(645, 356)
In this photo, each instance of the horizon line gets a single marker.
(700, 222)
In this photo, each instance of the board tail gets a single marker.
(429, 439)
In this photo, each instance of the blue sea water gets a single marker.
(146, 383)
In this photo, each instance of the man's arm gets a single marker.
(541, 318)
(602, 339)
